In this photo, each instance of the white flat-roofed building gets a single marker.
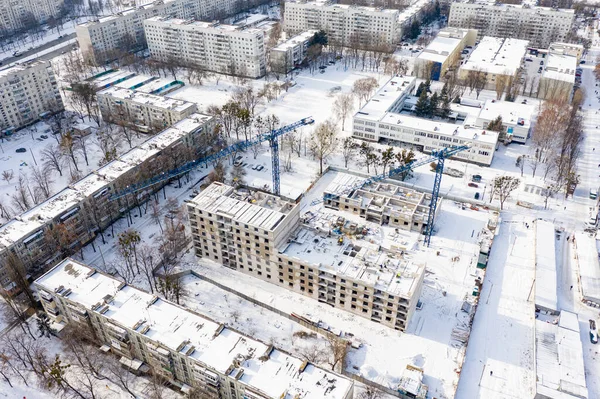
(443, 52)
(516, 118)
(498, 58)
(345, 25)
(263, 236)
(13, 13)
(185, 347)
(110, 37)
(546, 295)
(559, 368)
(539, 25)
(29, 91)
(221, 48)
(574, 50)
(84, 207)
(589, 267)
(558, 77)
(383, 117)
(290, 53)
(144, 111)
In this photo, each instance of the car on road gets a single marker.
(593, 332)
(21, 149)
(17, 54)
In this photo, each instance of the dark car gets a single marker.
(593, 332)
(582, 62)
(473, 185)
(476, 178)
(21, 150)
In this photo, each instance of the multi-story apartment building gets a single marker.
(387, 115)
(497, 58)
(344, 24)
(221, 48)
(265, 237)
(29, 91)
(189, 349)
(290, 53)
(108, 37)
(19, 14)
(145, 112)
(539, 25)
(443, 52)
(79, 212)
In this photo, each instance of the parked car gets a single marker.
(541, 62)
(476, 178)
(260, 167)
(323, 67)
(477, 196)
(582, 62)
(528, 60)
(593, 332)
(21, 149)
(471, 184)
(44, 136)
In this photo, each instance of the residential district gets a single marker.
(299, 199)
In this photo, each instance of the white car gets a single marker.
(593, 332)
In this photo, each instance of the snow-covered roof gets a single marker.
(512, 113)
(210, 27)
(589, 267)
(545, 266)
(502, 6)
(444, 44)
(387, 103)
(254, 208)
(134, 81)
(560, 67)
(260, 368)
(161, 102)
(560, 371)
(497, 55)
(407, 14)
(293, 41)
(22, 67)
(156, 84)
(330, 5)
(112, 78)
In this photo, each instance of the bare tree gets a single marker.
(348, 150)
(156, 214)
(503, 186)
(323, 142)
(364, 88)
(501, 81)
(370, 392)
(21, 198)
(338, 348)
(343, 106)
(53, 158)
(149, 259)
(8, 175)
(43, 182)
(68, 145)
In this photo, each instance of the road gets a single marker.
(27, 53)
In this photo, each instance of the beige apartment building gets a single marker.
(145, 112)
(29, 91)
(539, 25)
(107, 38)
(228, 49)
(186, 348)
(344, 24)
(84, 208)
(290, 53)
(264, 236)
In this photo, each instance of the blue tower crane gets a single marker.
(271, 137)
(438, 155)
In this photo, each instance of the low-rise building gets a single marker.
(538, 25)
(221, 48)
(387, 115)
(291, 53)
(558, 77)
(559, 368)
(145, 112)
(264, 236)
(345, 25)
(516, 118)
(29, 92)
(75, 215)
(499, 59)
(187, 348)
(443, 52)
(572, 49)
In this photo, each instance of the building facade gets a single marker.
(84, 209)
(109, 37)
(291, 53)
(558, 77)
(20, 14)
(188, 349)
(145, 112)
(386, 116)
(264, 236)
(29, 91)
(345, 25)
(443, 52)
(539, 25)
(220, 48)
